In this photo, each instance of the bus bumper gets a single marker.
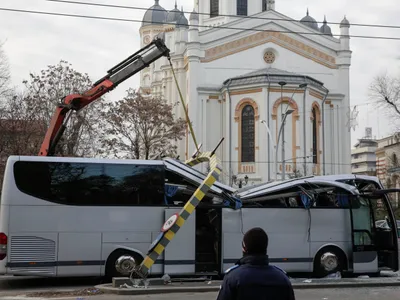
(3, 268)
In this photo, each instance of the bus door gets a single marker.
(374, 236)
(180, 254)
(386, 236)
(365, 256)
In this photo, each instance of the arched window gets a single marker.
(264, 5)
(241, 6)
(248, 134)
(315, 135)
(214, 8)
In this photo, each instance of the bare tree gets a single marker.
(5, 77)
(385, 90)
(44, 93)
(139, 127)
(21, 133)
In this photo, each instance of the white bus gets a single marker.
(78, 217)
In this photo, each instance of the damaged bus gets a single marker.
(323, 224)
(79, 217)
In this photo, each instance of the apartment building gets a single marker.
(388, 164)
(363, 157)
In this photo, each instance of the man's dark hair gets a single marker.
(256, 241)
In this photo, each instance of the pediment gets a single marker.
(265, 37)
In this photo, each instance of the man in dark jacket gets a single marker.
(253, 278)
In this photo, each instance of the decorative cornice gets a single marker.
(316, 94)
(244, 92)
(278, 90)
(278, 38)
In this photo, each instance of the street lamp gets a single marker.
(282, 84)
(301, 86)
(282, 131)
(271, 140)
(239, 182)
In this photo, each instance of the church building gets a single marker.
(277, 89)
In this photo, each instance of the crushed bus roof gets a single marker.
(194, 175)
(315, 182)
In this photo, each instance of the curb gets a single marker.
(205, 289)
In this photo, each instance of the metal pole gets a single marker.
(304, 132)
(277, 143)
(323, 132)
(283, 148)
(230, 132)
(269, 151)
(276, 159)
(283, 128)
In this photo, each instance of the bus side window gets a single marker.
(92, 183)
(275, 203)
(325, 201)
(295, 202)
(342, 200)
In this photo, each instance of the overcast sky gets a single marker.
(93, 46)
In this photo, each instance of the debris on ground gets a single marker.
(166, 278)
(336, 275)
(55, 294)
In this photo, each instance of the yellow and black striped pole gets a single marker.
(160, 244)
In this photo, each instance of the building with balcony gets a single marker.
(363, 157)
(388, 164)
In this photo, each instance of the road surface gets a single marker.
(322, 294)
(17, 285)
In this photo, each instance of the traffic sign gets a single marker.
(170, 222)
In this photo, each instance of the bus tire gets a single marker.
(127, 257)
(329, 260)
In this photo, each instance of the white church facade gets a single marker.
(255, 76)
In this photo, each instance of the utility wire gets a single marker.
(171, 23)
(220, 15)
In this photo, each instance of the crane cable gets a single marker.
(184, 106)
(175, 222)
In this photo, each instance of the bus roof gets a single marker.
(281, 186)
(182, 169)
(85, 160)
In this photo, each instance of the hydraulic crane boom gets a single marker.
(75, 102)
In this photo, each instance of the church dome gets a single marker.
(345, 22)
(155, 15)
(173, 15)
(182, 21)
(194, 16)
(325, 29)
(309, 21)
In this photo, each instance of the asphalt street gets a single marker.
(321, 294)
(16, 285)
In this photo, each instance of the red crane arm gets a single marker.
(75, 102)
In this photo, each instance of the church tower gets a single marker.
(152, 24)
(218, 12)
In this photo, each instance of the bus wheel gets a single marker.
(121, 263)
(328, 261)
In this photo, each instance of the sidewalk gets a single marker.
(212, 286)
